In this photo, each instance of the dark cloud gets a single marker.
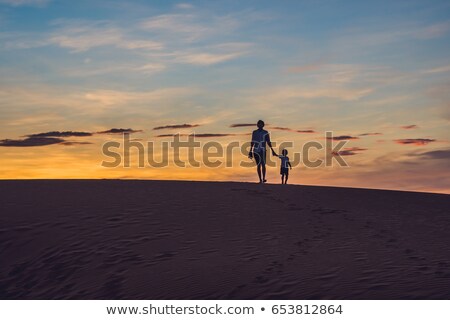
(292, 130)
(417, 142)
(340, 138)
(411, 126)
(305, 131)
(165, 135)
(281, 128)
(118, 131)
(199, 135)
(60, 134)
(370, 134)
(55, 137)
(213, 135)
(356, 149)
(345, 153)
(238, 125)
(436, 154)
(176, 126)
(75, 143)
(350, 151)
(30, 142)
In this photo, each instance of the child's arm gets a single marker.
(289, 164)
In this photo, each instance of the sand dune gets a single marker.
(112, 239)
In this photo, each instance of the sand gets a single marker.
(112, 239)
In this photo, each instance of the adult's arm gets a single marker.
(268, 140)
(270, 144)
(252, 143)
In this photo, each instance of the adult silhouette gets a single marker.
(260, 138)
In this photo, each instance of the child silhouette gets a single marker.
(285, 165)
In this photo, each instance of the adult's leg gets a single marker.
(263, 162)
(258, 161)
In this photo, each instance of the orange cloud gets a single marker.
(417, 142)
(411, 126)
(340, 138)
(176, 126)
(349, 151)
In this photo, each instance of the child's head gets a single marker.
(284, 152)
(260, 124)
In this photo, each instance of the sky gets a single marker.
(77, 74)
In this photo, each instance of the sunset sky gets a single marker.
(377, 72)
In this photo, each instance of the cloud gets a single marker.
(167, 135)
(386, 34)
(65, 134)
(305, 131)
(436, 154)
(118, 131)
(433, 31)
(82, 35)
(30, 142)
(370, 134)
(55, 137)
(238, 125)
(350, 151)
(17, 3)
(187, 38)
(100, 68)
(440, 69)
(113, 97)
(281, 128)
(177, 126)
(193, 38)
(417, 142)
(292, 130)
(60, 134)
(411, 126)
(150, 68)
(75, 143)
(189, 27)
(340, 138)
(213, 135)
(39, 142)
(209, 58)
(270, 97)
(199, 135)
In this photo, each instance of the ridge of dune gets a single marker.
(144, 239)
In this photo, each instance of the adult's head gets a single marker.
(260, 124)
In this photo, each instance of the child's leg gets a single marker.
(286, 177)
(282, 178)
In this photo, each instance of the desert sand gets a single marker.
(131, 239)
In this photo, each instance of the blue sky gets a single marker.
(352, 67)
